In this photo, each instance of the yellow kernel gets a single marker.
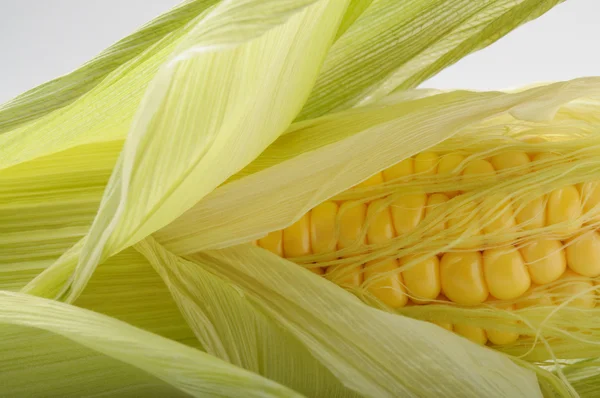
(404, 170)
(445, 325)
(466, 225)
(380, 227)
(479, 168)
(531, 213)
(590, 199)
(346, 275)
(545, 259)
(296, 238)
(450, 164)
(511, 160)
(564, 206)
(501, 337)
(352, 217)
(498, 215)
(407, 212)
(433, 202)
(273, 242)
(316, 270)
(576, 290)
(323, 228)
(462, 279)
(426, 163)
(384, 283)
(583, 254)
(375, 179)
(422, 280)
(505, 273)
(475, 334)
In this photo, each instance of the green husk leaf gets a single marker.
(104, 113)
(321, 158)
(47, 205)
(384, 46)
(36, 363)
(230, 326)
(397, 45)
(370, 351)
(267, 80)
(126, 287)
(62, 91)
(194, 372)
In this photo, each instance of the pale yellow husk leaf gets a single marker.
(194, 372)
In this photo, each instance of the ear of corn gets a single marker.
(338, 344)
(486, 246)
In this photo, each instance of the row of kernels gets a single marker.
(466, 277)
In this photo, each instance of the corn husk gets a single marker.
(205, 167)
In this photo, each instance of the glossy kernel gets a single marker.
(374, 180)
(564, 206)
(296, 238)
(380, 228)
(498, 215)
(545, 259)
(531, 213)
(466, 223)
(450, 164)
(475, 334)
(590, 199)
(404, 170)
(583, 254)
(511, 160)
(426, 163)
(505, 273)
(433, 202)
(273, 242)
(351, 219)
(407, 212)
(502, 337)
(479, 167)
(323, 237)
(422, 280)
(352, 216)
(383, 282)
(462, 279)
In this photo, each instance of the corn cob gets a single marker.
(498, 256)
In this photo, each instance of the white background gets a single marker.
(43, 39)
